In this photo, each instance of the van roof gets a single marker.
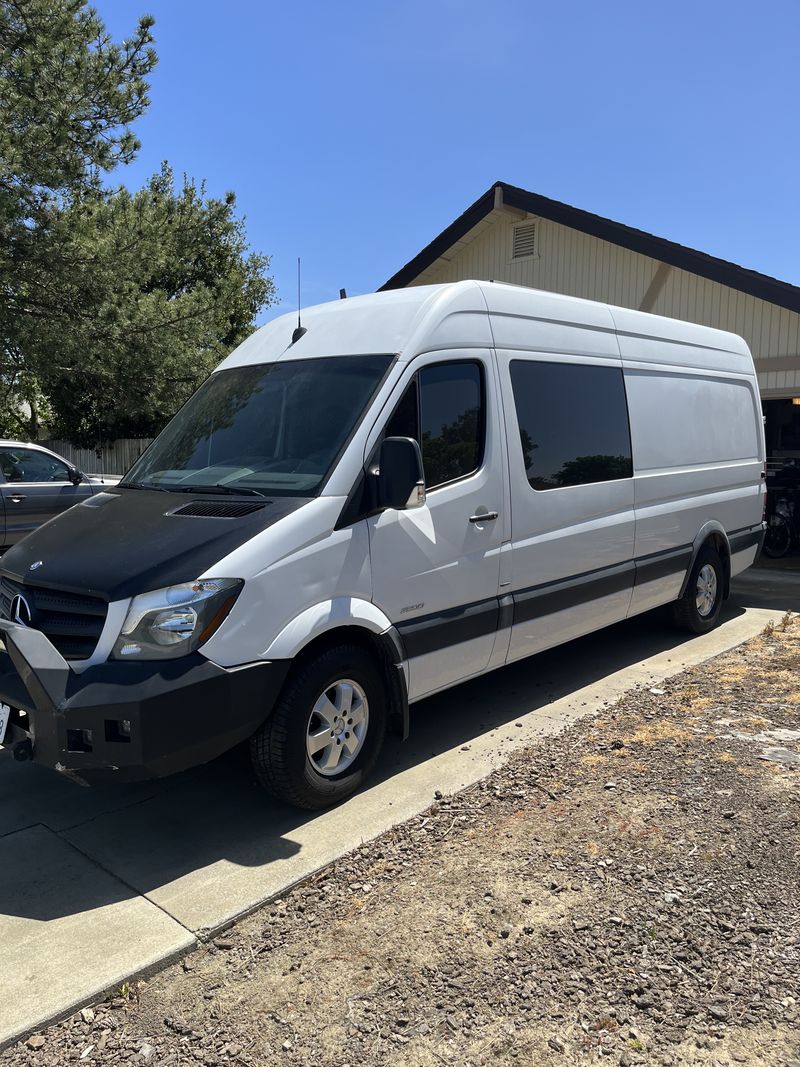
(360, 325)
(451, 315)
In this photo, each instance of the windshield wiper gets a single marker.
(218, 488)
(142, 485)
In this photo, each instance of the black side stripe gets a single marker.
(566, 593)
(430, 633)
(433, 632)
(663, 564)
(506, 611)
(747, 538)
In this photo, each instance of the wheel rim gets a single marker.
(706, 590)
(337, 727)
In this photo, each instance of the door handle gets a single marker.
(483, 516)
(17, 499)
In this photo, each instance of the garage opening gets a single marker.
(782, 432)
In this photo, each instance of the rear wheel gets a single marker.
(699, 608)
(326, 732)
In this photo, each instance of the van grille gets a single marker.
(72, 622)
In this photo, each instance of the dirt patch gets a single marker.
(626, 892)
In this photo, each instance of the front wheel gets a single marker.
(699, 608)
(326, 732)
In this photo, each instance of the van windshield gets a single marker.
(272, 428)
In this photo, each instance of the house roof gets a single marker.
(689, 259)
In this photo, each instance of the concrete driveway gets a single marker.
(97, 886)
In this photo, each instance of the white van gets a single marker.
(414, 488)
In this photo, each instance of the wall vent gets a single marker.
(524, 244)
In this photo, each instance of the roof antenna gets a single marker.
(343, 294)
(298, 333)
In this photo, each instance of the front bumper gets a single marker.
(127, 721)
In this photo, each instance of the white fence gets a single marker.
(114, 457)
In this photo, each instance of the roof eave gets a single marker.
(755, 284)
(465, 222)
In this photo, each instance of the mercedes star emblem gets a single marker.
(20, 611)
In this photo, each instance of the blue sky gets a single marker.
(353, 132)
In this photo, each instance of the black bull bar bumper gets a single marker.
(127, 721)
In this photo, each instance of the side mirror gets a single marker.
(401, 479)
(75, 476)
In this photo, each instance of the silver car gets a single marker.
(35, 485)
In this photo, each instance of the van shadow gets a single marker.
(772, 584)
(190, 836)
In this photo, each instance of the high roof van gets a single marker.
(412, 489)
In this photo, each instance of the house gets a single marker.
(512, 235)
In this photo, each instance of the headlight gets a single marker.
(175, 621)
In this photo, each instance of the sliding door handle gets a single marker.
(483, 516)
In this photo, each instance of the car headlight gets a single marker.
(172, 622)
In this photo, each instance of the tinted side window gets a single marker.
(573, 423)
(28, 465)
(8, 466)
(452, 420)
(443, 409)
(405, 420)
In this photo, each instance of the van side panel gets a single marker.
(697, 459)
(698, 445)
(689, 419)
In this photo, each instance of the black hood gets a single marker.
(127, 541)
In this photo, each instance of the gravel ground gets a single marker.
(626, 892)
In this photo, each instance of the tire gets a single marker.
(689, 612)
(778, 538)
(303, 719)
